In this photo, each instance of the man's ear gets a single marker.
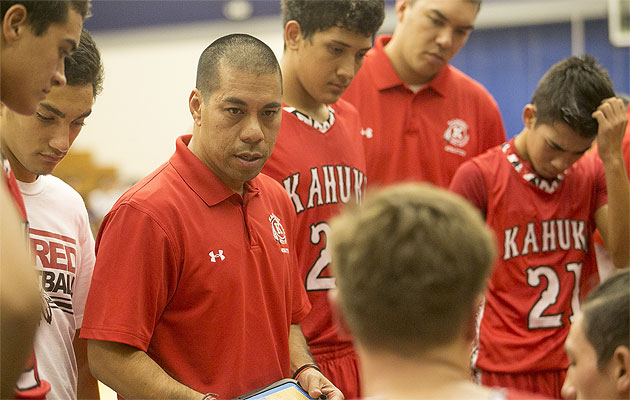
(400, 7)
(14, 23)
(621, 370)
(195, 102)
(292, 35)
(529, 116)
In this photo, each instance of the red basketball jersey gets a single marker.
(322, 167)
(546, 262)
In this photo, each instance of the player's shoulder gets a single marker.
(488, 161)
(62, 190)
(491, 155)
(343, 105)
(345, 110)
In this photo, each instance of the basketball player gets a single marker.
(543, 200)
(318, 156)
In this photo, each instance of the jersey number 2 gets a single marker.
(314, 280)
(549, 296)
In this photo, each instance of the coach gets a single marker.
(196, 287)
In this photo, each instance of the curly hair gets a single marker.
(359, 16)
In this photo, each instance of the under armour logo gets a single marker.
(367, 133)
(213, 257)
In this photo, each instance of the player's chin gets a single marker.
(330, 95)
(43, 170)
(335, 95)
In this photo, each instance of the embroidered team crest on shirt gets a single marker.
(278, 230)
(456, 135)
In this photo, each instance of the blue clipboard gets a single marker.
(285, 389)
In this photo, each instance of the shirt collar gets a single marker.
(385, 75)
(201, 179)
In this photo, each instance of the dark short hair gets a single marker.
(41, 14)
(410, 263)
(240, 51)
(570, 92)
(477, 2)
(84, 65)
(359, 16)
(606, 316)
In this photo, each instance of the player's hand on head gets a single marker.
(316, 384)
(612, 118)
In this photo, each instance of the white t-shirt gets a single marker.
(63, 246)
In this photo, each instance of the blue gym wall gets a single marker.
(510, 61)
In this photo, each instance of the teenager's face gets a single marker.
(35, 144)
(32, 65)
(552, 148)
(584, 380)
(328, 61)
(431, 32)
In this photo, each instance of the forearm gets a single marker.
(298, 348)
(618, 240)
(311, 379)
(133, 374)
(87, 385)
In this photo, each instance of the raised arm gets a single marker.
(613, 219)
(133, 374)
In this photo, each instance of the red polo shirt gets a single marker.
(201, 279)
(421, 136)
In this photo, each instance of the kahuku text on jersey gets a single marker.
(340, 182)
(552, 234)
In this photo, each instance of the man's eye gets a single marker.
(436, 22)
(336, 50)
(234, 111)
(43, 117)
